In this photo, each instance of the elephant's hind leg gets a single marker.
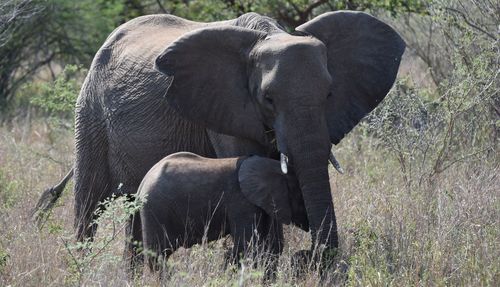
(92, 177)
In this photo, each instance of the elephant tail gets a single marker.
(48, 199)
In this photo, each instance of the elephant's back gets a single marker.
(195, 175)
(124, 65)
(146, 36)
(189, 171)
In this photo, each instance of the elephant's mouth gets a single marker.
(275, 153)
(285, 163)
(272, 143)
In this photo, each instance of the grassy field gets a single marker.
(418, 205)
(439, 232)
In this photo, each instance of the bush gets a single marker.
(113, 217)
(8, 192)
(432, 130)
(57, 98)
(4, 256)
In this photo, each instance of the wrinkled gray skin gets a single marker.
(161, 84)
(189, 198)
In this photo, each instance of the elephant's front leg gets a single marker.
(242, 238)
(247, 237)
(275, 238)
(133, 243)
(274, 245)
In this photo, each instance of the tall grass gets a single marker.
(443, 232)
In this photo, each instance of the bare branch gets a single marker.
(473, 25)
(162, 8)
(314, 5)
(12, 11)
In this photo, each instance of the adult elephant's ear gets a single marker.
(363, 60)
(210, 83)
(263, 184)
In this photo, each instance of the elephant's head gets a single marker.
(311, 89)
(263, 184)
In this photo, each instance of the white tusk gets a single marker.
(335, 163)
(284, 163)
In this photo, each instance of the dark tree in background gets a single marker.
(39, 34)
(45, 35)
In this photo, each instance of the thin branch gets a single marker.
(162, 8)
(314, 5)
(29, 73)
(463, 158)
(472, 24)
(295, 7)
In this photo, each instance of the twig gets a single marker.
(314, 5)
(463, 158)
(472, 24)
(162, 8)
(46, 156)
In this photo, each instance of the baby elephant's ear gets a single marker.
(263, 184)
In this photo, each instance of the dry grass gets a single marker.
(444, 232)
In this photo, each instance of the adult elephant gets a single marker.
(161, 84)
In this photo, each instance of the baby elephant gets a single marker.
(190, 199)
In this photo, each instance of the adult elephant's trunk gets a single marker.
(318, 199)
(308, 146)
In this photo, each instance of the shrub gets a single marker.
(432, 130)
(113, 216)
